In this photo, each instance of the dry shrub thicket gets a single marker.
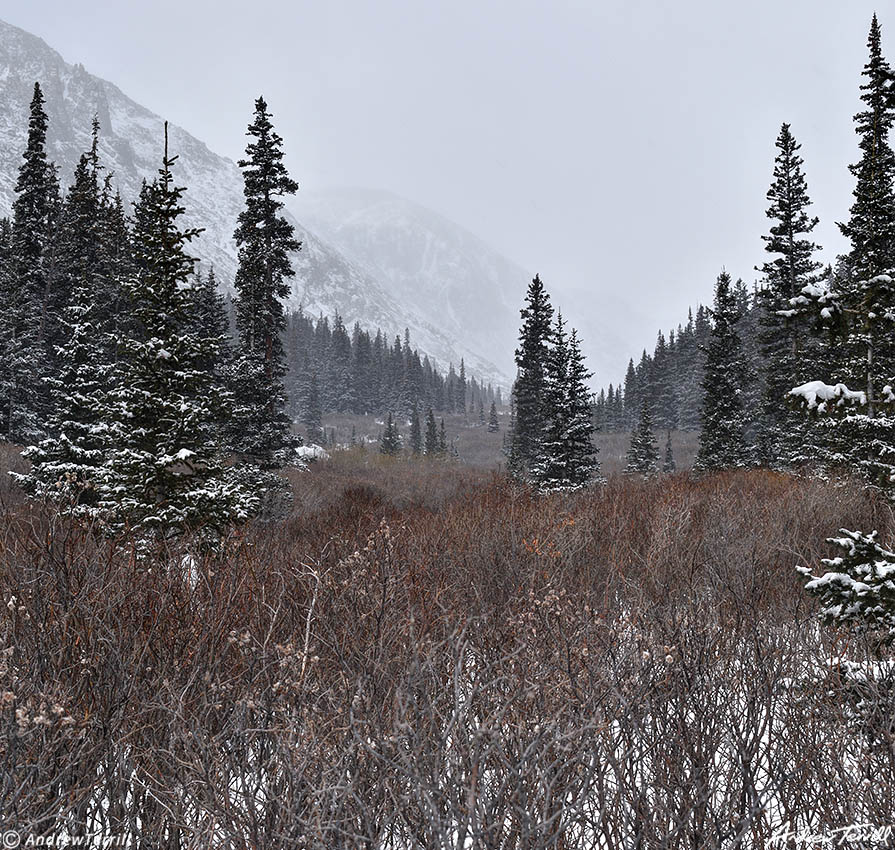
(427, 657)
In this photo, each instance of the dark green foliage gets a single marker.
(164, 409)
(362, 373)
(786, 343)
(313, 416)
(668, 465)
(722, 442)
(390, 442)
(431, 443)
(261, 429)
(643, 453)
(68, 466)
(529, 390)
(567, 458)
(493, 421)
(416, 434)
(30, 289)
(871, 224)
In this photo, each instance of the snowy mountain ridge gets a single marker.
(131, 143)
(451, 276)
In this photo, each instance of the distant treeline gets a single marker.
(671, 379)
(359, 372)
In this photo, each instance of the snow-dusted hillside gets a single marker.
(454, 279)
(131, 147)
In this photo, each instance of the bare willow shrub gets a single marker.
(421, 659)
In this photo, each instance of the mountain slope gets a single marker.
(456, 281)
(131, 148)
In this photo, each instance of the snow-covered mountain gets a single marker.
(456, 281)
(326, 280)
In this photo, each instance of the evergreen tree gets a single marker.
(783, 336)
(262, 430)
(668, 465)
(442, 439)
(313, 418)
(162, 472)
(390, 442)
(871, 224)
(643, 453)
(493, 421)
(431, 445)
(531, 381)
(67, 467)
(30, 297)
(567, 457)
(416, 436)
(859, 588)
(859, 301)
(721, 441)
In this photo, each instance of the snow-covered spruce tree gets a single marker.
(859, 301)
(163, 473)
(871, 224)
(493, 421)
(28, 289)
(865, 294)
(668, 465)
(784, 334)
(529, 390)
(643, 453)
(721, 441)
(67, 467)
(261, 429)
(431, 444)
(859, 587)
(567, 458)
(390, 442)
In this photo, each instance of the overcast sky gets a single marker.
(622, 148)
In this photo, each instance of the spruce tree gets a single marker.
(783, 337)
(262, 430)
(390, 442)
(416, 434)
(493, 421)
(431, 445)
(859, 587)
(163, 475)
(721, 441)
(67, 467)
(531, 381)
(859, 300)
(442, 439)
(567, 456)
(313, 417)
(668, 465)
(29, 318)
(871, 224)
(631, 399)
(643, 453)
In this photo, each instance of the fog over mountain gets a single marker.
(327, 280)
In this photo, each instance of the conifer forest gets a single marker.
(274, 575)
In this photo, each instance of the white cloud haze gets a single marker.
(621, 148)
